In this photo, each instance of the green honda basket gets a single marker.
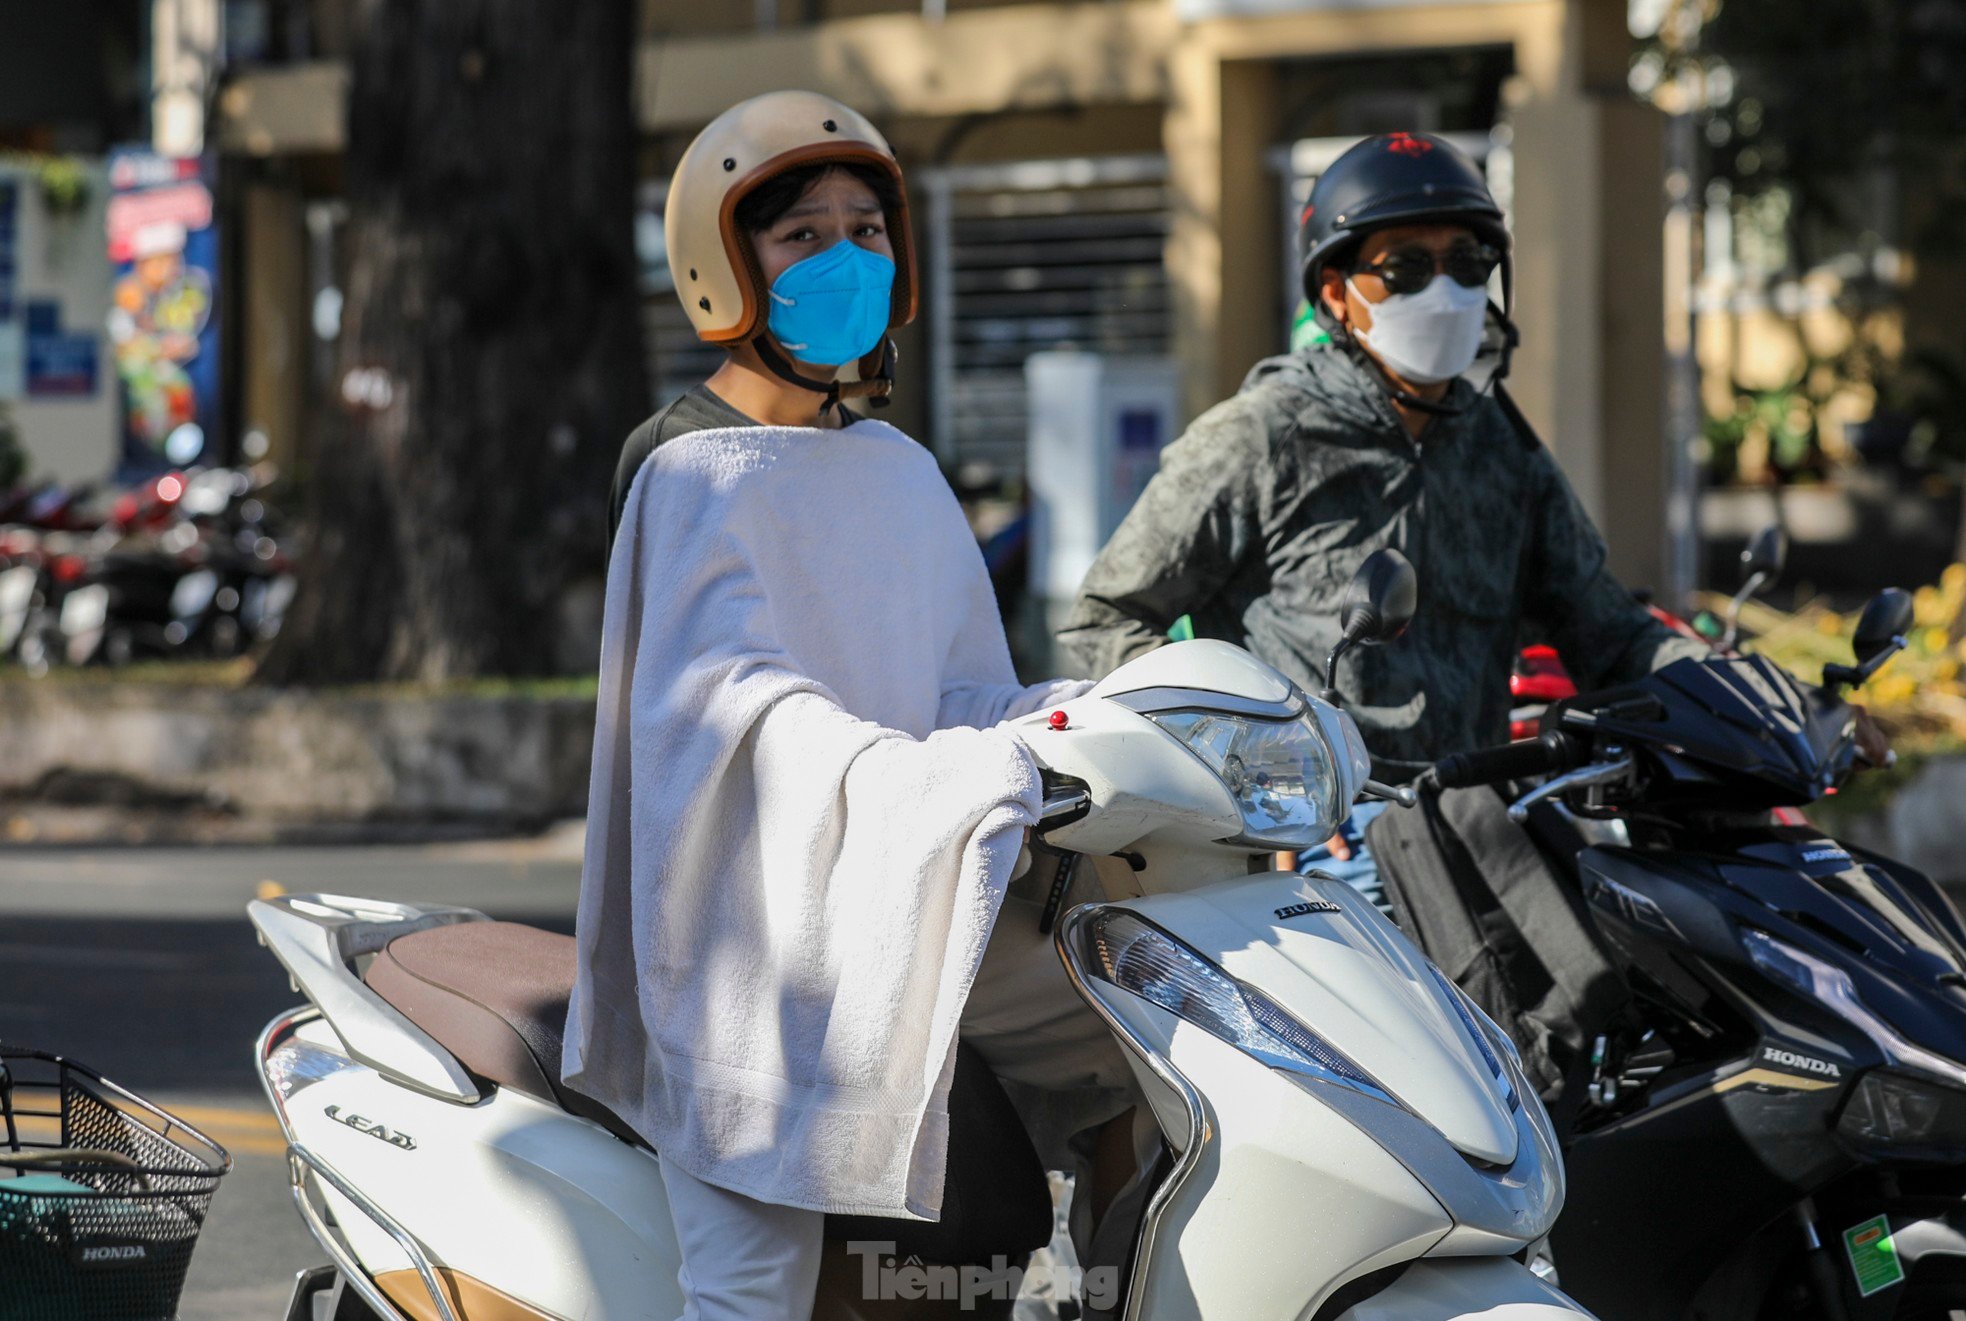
(102, 1195)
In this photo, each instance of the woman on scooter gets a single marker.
(802, 821)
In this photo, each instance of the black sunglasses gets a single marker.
(1409, 270)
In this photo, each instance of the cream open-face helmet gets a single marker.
(717, 274)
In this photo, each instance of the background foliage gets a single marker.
(1920, 696)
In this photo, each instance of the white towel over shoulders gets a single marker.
(800, 822)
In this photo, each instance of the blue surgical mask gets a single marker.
(833, 307)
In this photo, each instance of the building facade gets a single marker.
(1118, 176)
(71, 87)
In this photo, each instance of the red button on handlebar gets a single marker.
(1059, 720)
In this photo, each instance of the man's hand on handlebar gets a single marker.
(1873, 746)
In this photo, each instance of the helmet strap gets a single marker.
(1511, 337)
(875, 390)
(874, 387)
(781, 367)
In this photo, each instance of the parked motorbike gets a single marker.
(51, 506)
(47, 535)
(1344, 1135)
(235, 581)
(1777, 1126)
(187, 564)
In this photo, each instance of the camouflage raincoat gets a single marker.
(1264, 508)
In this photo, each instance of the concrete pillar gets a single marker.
(1193, 138)
(1589, 223)
(1247, 220)
(274, 354)
(1222, 240)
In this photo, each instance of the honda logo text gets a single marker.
(1309, 906)
(1788, 1059)
(108, 1254)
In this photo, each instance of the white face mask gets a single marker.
(1428, 337)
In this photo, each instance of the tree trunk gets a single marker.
(491, 356)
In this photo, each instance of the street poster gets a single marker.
(163, 323)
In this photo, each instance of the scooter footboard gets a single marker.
(1466, 1288)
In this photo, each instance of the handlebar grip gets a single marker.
(1066, 799)
(1552, 751)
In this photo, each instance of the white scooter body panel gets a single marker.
(1148, 799)
(1205, 664)
(1287, 1199)
(1286, 1174)
(513, 1192)
(1356, 981)
(1484, 1289)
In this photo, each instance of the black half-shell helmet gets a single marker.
(1395, 179)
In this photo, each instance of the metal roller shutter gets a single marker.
(1028, 256)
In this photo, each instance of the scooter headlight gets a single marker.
(1831, 987)
(1906, 1117)
(1124, 949)
(1283, 774)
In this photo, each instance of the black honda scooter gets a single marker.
(1776, 1127)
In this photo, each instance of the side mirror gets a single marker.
(1887, 617)
(1381, 599)
(1765, 556)
(1879, 635)
(1762, 563)
(1378, 606)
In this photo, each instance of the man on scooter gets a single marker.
(1265, 507)
(803, 819)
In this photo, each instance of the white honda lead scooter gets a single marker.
(1344, 1136)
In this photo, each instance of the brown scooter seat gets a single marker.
(495, 995)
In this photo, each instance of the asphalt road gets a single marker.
(140, 964)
